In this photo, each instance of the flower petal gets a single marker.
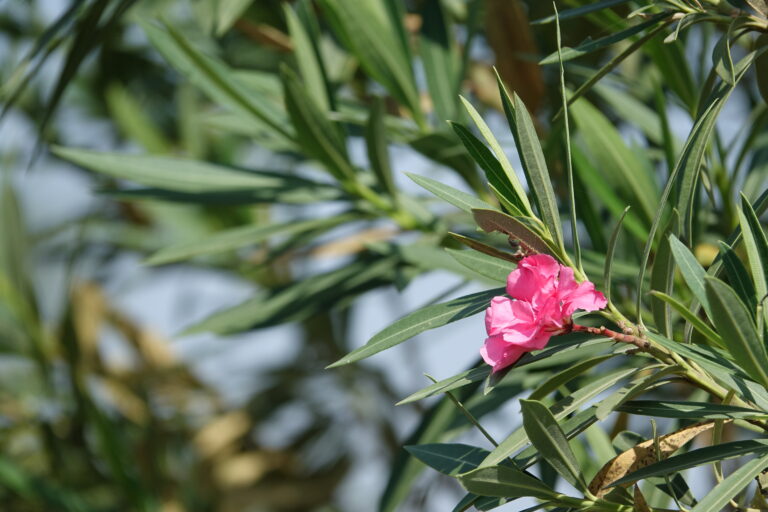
(499, 354)
(534, 276)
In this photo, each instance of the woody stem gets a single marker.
(640, 343)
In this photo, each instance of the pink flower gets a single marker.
(546, 295)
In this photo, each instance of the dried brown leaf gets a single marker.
(643, 454)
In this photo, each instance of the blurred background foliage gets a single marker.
(261, 140)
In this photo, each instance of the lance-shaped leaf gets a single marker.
(448, 458)
(180, 174)
(726, 490)
(493, 268)
(698, 457)
(320, 138)
(548, 438)
(756, 244)
(215, 79)
(561, 410)
(440, 59)
(307, 59)
(378, 152)
(734, 323)
(640, 456)
(429, 317)
(492, 220)
(579, 11)
(231, 239)
(532, 158)
(372, 35)
(692, 271)
(738, 277)
(696, 322)
(598, 44)
(689, 410)
(457, 198)
(505, 482)
(493, 171)
(507, 174)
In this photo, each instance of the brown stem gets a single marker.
(640, 343)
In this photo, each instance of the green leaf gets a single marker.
(490, 267)
(663, 278)
(436, 421)
(178, 174)
(457, 381)
(698, 457)
(721, 56)
(534, 164)
(621, 168)
(443, 147)
(607, 271)
(568, 374)
(634, 388)
(580, 11)
(424, 319)
(307, 58)
(319, 138)
(686, 172)
(376, 144)
(692, 158)
(561, 410)
(493, 170)
(696, 322)
(449, 459)
(689, 410)
(492, 220)
(598, 44)
(726, 490)
(734, 323)
(756, 244)
(228, 13)
(457, 198)
(368, 31)
(505, 482)
(244, 236)
(132, 119)
(215, 78)
(440, 59)
(719, 366)
(692, 271)
(301, 299)
(738, 277)
(518, 197)
(547, 437)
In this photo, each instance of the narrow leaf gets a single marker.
(457, 198)
(733, 321)
(504, 482)
(545, 434)
(424, 319)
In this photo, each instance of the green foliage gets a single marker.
(659, 226)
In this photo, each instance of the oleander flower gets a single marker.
(544, 296)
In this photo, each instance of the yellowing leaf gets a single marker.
(641, 455)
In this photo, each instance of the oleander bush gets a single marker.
(619, 242)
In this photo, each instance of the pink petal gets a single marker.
(578, 295)
(499, 354)
(535, 275)
(499, 315)
(584, 297)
